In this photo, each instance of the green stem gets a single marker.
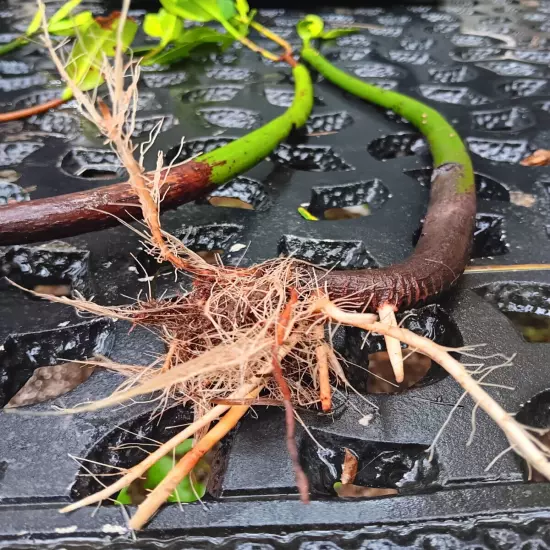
(242, 154)
(445, 144)
(13, 45)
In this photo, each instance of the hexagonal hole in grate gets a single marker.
(535, 56)
(212, 241)
(410, 57)
(194, 147)
(486, 188)
(456, 95)
(349, 54)
(414, 45)
(489, 236)
(536, 414)
(523, 87)
(164, 80)
(21, 354)
(228, 117)
(242, 192)
(14, 83)
(283, 97)
(398, 145)
(378, 70)
(366, 362)
(511, 68)
(476, 54)
(527, 306)
(350, 200)
(128, 444)
(11, 192)
(512, 119)
(16, 152)
(315, 158)
(511, 151)
(96, 164)
(400, 466)
(235, 74)
(472, 41)
(328, 123)
(54, 267)
(144, 125)
(359, 40)
(452, 75)
(327, 253)
(211, 94)
(64, 124)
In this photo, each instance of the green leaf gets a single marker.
(163, 25)
(123, 497)
(187, 42)
(311, 26)
(64, 11)
(189, 488)
(71, 25)
(242, 9)
(34, 25)
(201, 10)
(91, 45)
(335, 33)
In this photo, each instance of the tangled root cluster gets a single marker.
(220, 337)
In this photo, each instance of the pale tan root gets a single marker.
(393, 346)
(158, 496)
(522, 442)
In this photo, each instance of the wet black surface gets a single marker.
(496, 94)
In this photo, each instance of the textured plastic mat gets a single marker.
(485, 66)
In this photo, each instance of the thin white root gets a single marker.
(517, 435)
(393, 346)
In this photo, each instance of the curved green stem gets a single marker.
(95, 209)
(240, 155)
(445, 144)
(14, 45)
(443, 249)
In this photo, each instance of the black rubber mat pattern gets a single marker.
(485, 66)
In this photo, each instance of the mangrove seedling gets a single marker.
(242, 335)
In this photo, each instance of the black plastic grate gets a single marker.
(495, 91)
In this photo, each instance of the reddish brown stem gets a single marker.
(31, 111)
(438, 260)
(75, 213)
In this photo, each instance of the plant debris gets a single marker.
(541, 157)
(47, 383)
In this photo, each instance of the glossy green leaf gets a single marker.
(64, 11)
(311, 26)
(71, 25)
(91, 45)
(242, 9)
(163, 25)
(201, 10)
(34, 25)
(189, 489)
(335, 33)
(184, 447)
(123, 497)
(187, 42)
